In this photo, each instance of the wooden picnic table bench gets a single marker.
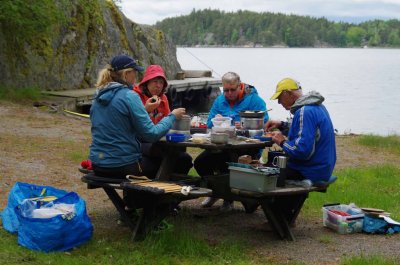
(281, 206)
(151, 204)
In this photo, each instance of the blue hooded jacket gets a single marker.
(119, 121)
(311, 140)
(250, 101)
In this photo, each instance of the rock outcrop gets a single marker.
(71, 49)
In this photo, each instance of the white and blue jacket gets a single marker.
(311, 140)
(119, 121)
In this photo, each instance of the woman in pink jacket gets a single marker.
(152, 90)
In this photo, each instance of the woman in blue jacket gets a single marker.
(120, 122)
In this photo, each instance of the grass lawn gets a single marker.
(184, 242)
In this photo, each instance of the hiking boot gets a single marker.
(227, 206)
(208, 202)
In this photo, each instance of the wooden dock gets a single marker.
(185, 92)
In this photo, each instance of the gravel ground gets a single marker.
(36, 147)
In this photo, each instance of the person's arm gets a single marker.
(142, 123)
(272, 124)
(304, 127)
(212, 113)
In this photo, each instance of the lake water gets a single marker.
(361, 86)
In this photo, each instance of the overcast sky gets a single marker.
(151, 11)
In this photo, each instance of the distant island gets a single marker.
(251, 29)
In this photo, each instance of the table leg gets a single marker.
(151, 216)
(291, 206)
(282, 211)
(167, 164)
(276, 219)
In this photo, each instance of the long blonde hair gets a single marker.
(107, 75)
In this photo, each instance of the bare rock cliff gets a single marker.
(61, 45)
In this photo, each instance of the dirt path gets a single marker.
(44, 148)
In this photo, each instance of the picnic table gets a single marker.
(234, 146)
(281, 206)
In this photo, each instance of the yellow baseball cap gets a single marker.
(285, 84)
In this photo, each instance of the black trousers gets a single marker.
(146, 167)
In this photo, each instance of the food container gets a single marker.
(252, 123)
(203, 116)
(251, 180)
(230, 130)
(200, 138)
(222, 121)
(219, 138)
(182, 124)
(194, 130)
(342, 218)
(176, 137)
(249, 133)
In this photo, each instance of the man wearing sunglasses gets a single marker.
(236, 97)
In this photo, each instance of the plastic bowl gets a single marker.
(230, 130)
(221, 121)
(175, 137)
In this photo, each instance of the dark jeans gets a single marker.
(293, 174)
(146, 167)
(212, 163)
(208, 163)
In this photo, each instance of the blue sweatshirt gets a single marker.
(119, 121)
(311, 140)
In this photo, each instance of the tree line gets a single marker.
(246, 28)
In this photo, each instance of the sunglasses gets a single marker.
(229, 90)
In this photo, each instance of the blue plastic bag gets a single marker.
(18, 194)
(376, 225)
(58, 233)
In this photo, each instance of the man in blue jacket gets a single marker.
(310, 143)
(237, 96)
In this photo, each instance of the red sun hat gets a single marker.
(153, 71)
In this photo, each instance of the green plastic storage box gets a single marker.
(251, 179)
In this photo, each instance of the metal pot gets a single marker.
(182, 124)
(252, 123)
(252, 114)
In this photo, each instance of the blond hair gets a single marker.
(107, 75)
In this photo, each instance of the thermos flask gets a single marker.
(280, 161)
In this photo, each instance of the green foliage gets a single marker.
(370, 260)
(19, 94)
(180, 246)
(389, 143)
(251, 28)
(22, 22)
(355, 35)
